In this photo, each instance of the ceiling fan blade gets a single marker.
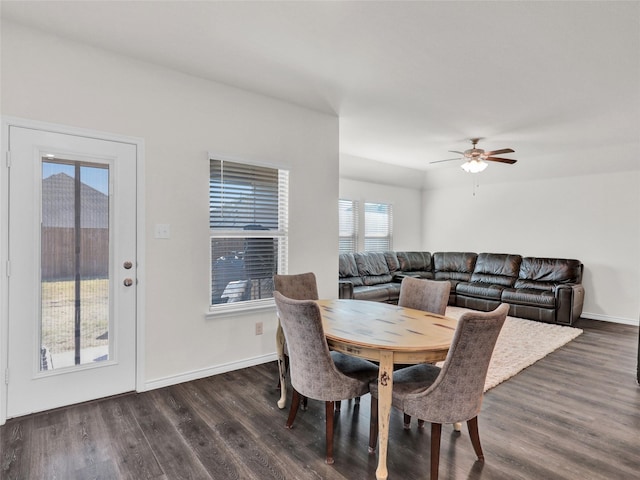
(499, 152)
(501, 160)
(446, 160)
(455, 151)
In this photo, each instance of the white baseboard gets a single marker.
(207, 372)
(609, 318)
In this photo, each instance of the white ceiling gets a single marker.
(559, 82)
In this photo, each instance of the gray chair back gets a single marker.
(300, 286)
(313, 372)
(422, 294)
(456, 395)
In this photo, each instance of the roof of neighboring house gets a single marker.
(58, 204)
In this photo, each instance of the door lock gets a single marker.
(128, 282)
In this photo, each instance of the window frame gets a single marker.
(353, 238)
(389, 228)
(280, 236)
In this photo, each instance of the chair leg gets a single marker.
(406, 422)
(436, 429)
(283, 366)
(475, 437)
(373, 425)
(339, 404)
(329, 407)
(295, 403)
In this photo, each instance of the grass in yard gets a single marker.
(58, 314)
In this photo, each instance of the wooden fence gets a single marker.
(59, 252)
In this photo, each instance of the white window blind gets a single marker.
(248, 222)
(378, 220)
(348, 225)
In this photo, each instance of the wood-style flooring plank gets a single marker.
(176, 459)
(573, 415)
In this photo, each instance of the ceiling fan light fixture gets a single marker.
(474, 165)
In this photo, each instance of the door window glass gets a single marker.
(74, 273)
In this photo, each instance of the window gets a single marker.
(248, 222)
(348, 225)
(377, 227)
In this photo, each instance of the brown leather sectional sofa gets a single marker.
(543, 289)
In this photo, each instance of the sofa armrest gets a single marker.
(569, 301)
(345, 290)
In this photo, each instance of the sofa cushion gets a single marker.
(496, 269)
(372, 267)
(480, 290)
(454, 265)
(414, 261)
(392, 261)
(348, 270)
(547, 273)
(530, 296)
(384, 292)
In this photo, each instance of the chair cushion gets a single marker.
(355, 367)
(413, 379)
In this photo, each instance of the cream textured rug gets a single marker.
(521, 343)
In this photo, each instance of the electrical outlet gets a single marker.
(259, 330)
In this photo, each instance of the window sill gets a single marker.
(241, 308)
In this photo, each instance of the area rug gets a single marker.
(521, 343)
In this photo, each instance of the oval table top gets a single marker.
(365, 328)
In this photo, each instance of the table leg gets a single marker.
(281, 366)
(385, 388)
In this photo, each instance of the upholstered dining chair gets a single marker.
(452, 393)
(423, 294)
(302, 286)
(427, 295)
(316, 372)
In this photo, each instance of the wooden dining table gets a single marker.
(390, 335)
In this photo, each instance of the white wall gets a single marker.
(594, 218)
(407, 218)
(367, 180)
(181, 118)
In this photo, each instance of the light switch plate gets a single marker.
(163, 230)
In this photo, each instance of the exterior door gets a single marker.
(71, 270)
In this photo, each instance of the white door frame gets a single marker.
(4, 239)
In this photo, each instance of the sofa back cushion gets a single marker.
(392, 261)
(414, 261)
(372, 267)
(454, 265)
(497, 269)
(546, 273)
(348, 270)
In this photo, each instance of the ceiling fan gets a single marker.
(476, 158)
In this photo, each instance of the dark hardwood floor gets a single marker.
(573, 415)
